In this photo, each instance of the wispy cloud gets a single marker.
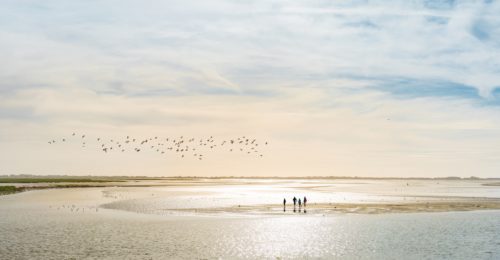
(401, 85)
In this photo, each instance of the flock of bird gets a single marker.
(181, 146)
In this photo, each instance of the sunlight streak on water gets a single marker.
(457, 235)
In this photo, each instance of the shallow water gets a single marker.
(459, 235)
(71, 223)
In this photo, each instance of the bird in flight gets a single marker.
(162, 146)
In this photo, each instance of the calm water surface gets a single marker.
(44, 235)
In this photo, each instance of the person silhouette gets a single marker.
(284, 204)
(305, 201)
(294, 201)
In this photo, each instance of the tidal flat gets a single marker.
(237, 218)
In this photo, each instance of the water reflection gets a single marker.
(31, 228)
(351, 237)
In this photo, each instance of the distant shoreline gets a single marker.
(16, 184)
(97, 178)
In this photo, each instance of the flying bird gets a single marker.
(210, 144)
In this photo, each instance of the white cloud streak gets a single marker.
(316, 77)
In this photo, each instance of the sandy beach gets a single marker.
(360, 208)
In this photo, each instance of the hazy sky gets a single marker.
(366, 88)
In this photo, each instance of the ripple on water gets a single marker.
(46, 235)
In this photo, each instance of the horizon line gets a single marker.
(250, 177)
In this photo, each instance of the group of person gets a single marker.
(295, 202)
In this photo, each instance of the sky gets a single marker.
(393, 88)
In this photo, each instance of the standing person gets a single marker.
(305, 201)
(294, 201)
(300, 203)
(284, 204)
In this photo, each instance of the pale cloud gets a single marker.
(340, 87)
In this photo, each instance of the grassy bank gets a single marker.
(53, 180)
(7, 190)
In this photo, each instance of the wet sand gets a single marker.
(359, 208)
(492, 184)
